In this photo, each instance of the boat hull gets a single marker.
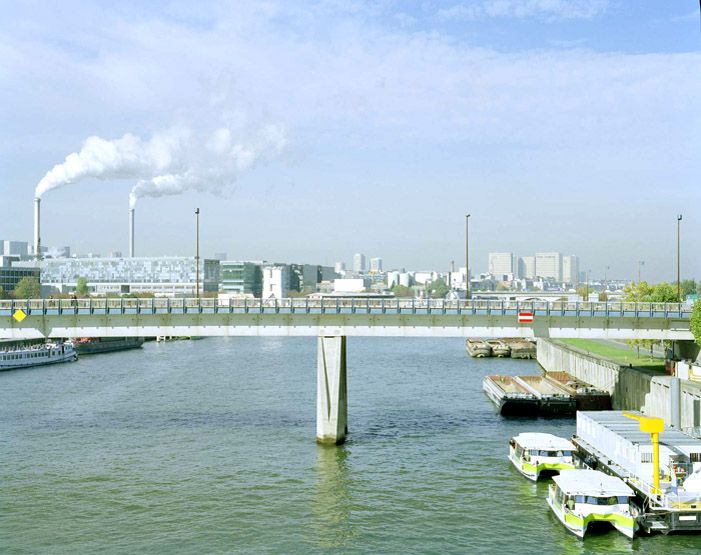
(578, 525)
(121, 344)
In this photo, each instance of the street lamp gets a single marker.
(640, 263)
(679, 290)
(467, 256)
(197, 253)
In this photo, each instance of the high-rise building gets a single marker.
(526, 267)
(549, 265)
(570, 269)
(376, 265)
(14, 248)
(501, 263)
(340, 267)
(275, 282)
(359, 263)
(241, 278)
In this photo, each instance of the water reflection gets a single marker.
(331, 507)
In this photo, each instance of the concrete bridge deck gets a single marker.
(97, 317)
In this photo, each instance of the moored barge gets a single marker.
(510, 397)
(478, 348)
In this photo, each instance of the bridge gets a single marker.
(331, 320)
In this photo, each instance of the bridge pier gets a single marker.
(331, 390)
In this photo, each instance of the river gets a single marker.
(208, 447)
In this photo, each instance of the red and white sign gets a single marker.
(525, 317)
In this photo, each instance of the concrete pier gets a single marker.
(331, 390)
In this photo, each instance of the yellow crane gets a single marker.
(653, 426)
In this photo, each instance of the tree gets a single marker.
(643, 292)
(81, 287)
(696, 322)
(403, 291)
(583, 291)
(27, 288)
(603, 296)
(2, 293)
(688, 287)
(437, 289)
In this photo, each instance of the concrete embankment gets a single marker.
(630, 388)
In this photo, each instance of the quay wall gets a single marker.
(630, 389)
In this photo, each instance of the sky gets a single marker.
(308, 131)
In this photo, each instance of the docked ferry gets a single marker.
(583, 499)
(37, 355)
(534, 454)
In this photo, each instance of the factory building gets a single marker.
(168, 276)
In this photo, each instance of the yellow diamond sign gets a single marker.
(19, 315)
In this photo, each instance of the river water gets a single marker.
(208, 447)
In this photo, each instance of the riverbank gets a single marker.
(642, 387)
(620, 354)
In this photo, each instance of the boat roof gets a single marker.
(537, 440)
(591, 482)
(629, 430)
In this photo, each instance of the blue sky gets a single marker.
(570, 125)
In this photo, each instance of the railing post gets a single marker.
(121, 305)
(306, 305)
(245, 305)
(352, 306)
(413, 306)
(277, 306)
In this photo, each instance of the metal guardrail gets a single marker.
(107, 306)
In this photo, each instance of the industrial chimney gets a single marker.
(131, 233)
(37, 224)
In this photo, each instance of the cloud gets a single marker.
(517, 9)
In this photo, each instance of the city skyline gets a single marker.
(576, 131)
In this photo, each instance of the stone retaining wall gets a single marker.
(630, 389)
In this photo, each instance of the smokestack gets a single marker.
(131, 233)
(37, 224)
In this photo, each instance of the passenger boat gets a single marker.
(586, 498)
(510, 397)
(478, 348)
(499, 348)
(37, 355)
(534, 454)
(94, 345)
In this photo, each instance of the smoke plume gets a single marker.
(218, 162)
(169, 162)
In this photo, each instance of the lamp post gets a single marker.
(606, 280)
(640, 263)
(197, 254)
(679, 290)
(467, 256)
(588, 278)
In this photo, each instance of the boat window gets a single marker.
(592, 500)
(544, 453)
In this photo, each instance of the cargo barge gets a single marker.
(585, 395)
(611, 442)
(478, 348)
(510, 397)
(95, 345)
(552, 399)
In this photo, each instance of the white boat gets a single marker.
(534, 454)
(37, 355)
(586, 498)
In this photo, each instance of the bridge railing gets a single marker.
(51, 307)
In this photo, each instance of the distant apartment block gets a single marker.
(359, 263)
(549, 265)
(570, 269)
(526, 267)
(501, 263)
(14, 248)
(376, 265)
